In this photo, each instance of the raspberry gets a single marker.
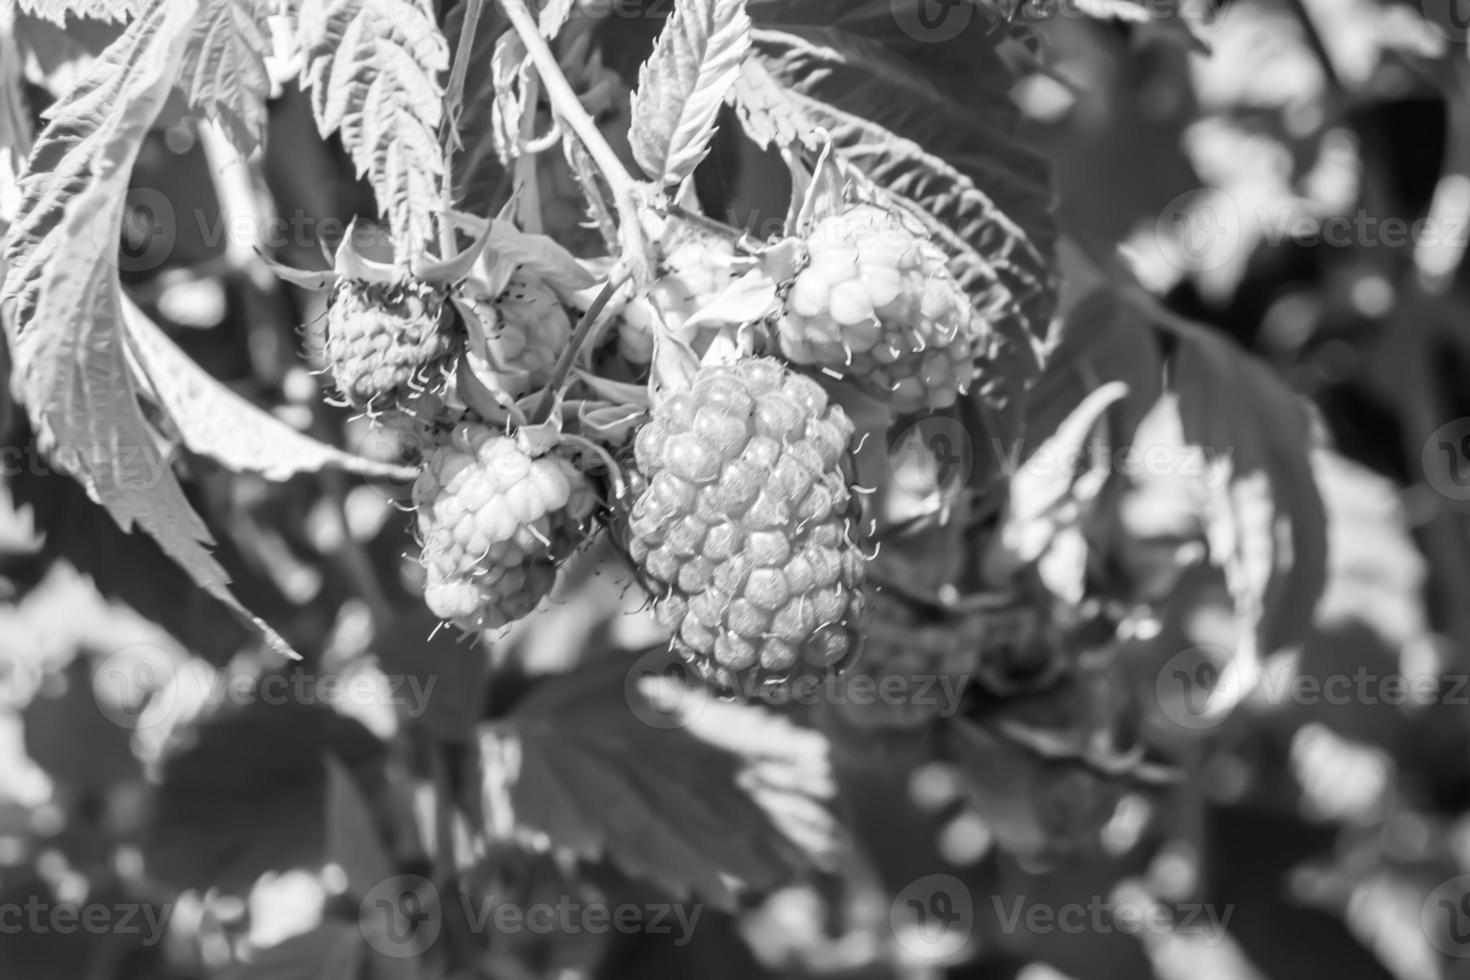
(740, 524)
(932, 658)
(691, 275)
(495, 519)
(875, 302)
(531, 330)
(386, 339)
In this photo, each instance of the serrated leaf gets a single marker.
(58, 11)
(15, 118)
(683, 84)
(223, 72)
(213, 421)
(694, 795)
(373, 69)
(945, 103)
(63, 298)
(476, 171)
(1267, 527)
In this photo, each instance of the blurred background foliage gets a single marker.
(1323, 828)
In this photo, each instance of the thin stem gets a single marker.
(564, 101)
(454, 91)
(620, 275)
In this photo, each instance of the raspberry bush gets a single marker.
(542, 488)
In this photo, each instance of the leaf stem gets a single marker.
(565, 103)
(615, 280)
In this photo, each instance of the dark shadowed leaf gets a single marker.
(1267, 527)
(245, 792)
(735, 800)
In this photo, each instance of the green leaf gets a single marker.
(223, 72)
(246, 791)
(58, 11)
(618, 761)
(683, 84)
(1267, 526)
(15, 118)
(213, 421)
(1051, 497)
(352, 841)
(373, 69)
(62, 298)
(1101, 339)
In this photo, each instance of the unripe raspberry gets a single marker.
(495, 520)
(741, 524)
(875, 302)
(531, 330)
(386, 340)
(692, 274)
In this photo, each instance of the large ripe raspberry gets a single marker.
(741, 524)
(495, 520)
(385, 339)
(918, 663)
(875, 302)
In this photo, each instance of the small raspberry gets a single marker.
(876, 302)
(691, 275)
(384, 340)
(495, 520)
(919, 664)
(531, 330)
(740, 524)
